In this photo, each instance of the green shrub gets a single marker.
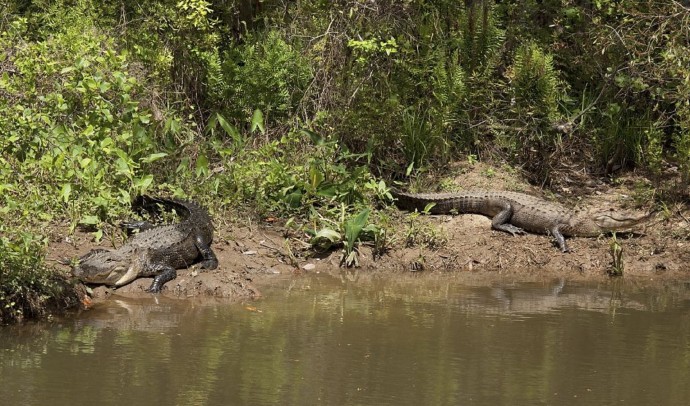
(264, 72)
(479, 37)
(75, 135)
(535, 82)
(681, 141)
(27, 286)
(302, 173)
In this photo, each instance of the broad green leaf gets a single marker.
(327, 234)
(107, 142)
(59, 159)
(89, 220)
(229, 128)
(327, 189)
(258, 121)
(123, 167)
(172, 126)
(143, 182)
(212, 121)
(294, 199)
(125, 197)
(371, 228)
(354, 226)
(91, 83)
(428, 207)
(65, 192)
(317, 139)
(315, 177)
(154, 157)
(201, 165)
(88, 131)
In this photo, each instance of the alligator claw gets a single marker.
(153, 288)
(513, 230)
(209, 264)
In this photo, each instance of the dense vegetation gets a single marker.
(300, 108)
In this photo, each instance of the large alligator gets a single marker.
(156, 251)
(515, 212)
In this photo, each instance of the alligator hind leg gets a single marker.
(209, 261)
(501, 221)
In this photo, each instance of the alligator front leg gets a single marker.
(501, 221)
(210, 261)
(560, 239)
(164, 273)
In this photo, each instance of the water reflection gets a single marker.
(327, 341)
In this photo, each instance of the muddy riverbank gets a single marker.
(471, 251)
(463, 245)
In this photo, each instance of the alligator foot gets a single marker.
(209, 264)
(167, 274)
(509, 228)
(562, 246)
(560, 239)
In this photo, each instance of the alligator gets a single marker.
(156, 251)
(515, 213)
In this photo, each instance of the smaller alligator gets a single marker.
(156, 251)
(515, 212)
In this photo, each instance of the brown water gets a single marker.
(327, 341)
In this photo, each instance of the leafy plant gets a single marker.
(480, 36)
(535, 82)
(27, 285)
(421, 140)
(423, 234)
(72, 126)
(353, 229)
(266, 74)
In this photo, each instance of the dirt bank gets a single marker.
(464, 245)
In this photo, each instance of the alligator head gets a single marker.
(595, 223)
(609, 222)
(109, 267)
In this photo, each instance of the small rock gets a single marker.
(309, 267)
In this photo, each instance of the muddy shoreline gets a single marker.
(472, 254)
(463, 247)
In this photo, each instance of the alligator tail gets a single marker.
(154, 205)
